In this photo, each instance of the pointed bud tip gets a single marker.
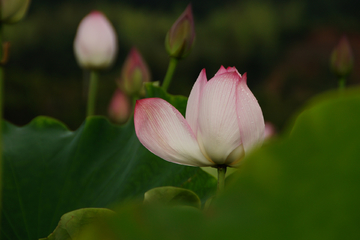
(95, 12)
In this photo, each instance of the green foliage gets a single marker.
(50, 170)
(305, 185)
(172, 196)
(73, 223)
(178, 101)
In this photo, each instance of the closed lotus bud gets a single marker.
(119, 108)
(12, 10)
(20, 14)
(180, 38)
(269, 130)
(134, 73)
(342, 58)
(95, 43)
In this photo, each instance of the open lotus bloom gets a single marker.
(223, 122)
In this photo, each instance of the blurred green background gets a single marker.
(284, 46)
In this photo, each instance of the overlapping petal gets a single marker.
(250, 117)
(164, 131)
(218, 132)
(192, 108)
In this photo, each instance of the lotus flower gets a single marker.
(223, 122)
(95, 43)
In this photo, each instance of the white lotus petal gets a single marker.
(192, 108)
(218, 131)
(250, 117)
(164, 131)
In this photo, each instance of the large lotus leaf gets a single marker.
(50, 170)
(305, 185)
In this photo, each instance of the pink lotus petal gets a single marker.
(218, 132)
(221, 71)
(269, 131)
(164, 131)
(233, 69)
(192, 108)
(250, 117)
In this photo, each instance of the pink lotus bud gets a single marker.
(223, 123)
(13, 10)
(342, 58)
(134, 73)
(119, 108)
(180, 38)
(269, 130)
(95, 43)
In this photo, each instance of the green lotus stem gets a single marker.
(1, 110)
(170, 72)
(221, 178)
(92, 93)
(342, 83)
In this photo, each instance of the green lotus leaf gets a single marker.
(49, 170)
(169, 195)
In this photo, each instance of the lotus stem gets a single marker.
(170, 72)
(221, 178)
(92, 93)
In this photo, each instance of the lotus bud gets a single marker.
(95, 43)
(120, 107)
(134, 73)
(269, 130)
(12, 11)
(342, 58)
(180, 38)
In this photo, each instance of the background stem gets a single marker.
(92, 93)
(170, 72)
(342, 82)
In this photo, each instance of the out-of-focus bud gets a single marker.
(180, 38)
(269, 130)
(95, 43)
(119, 108)
(134, 73)
(12, 11)
(342, 58)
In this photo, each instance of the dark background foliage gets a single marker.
(284, 46)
